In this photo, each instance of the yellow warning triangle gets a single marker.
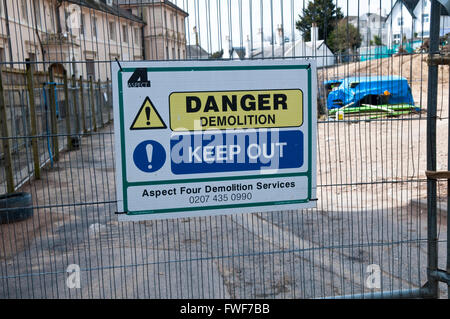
(147, 118)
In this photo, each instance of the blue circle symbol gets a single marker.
(149, 156)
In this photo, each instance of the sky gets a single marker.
(213, 18)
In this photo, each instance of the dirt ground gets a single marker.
(390, 149)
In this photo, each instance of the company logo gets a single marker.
(139, 79)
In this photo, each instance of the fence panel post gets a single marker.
(83, 111)
(67, 107)
(92, 102)
(53, 117)
(432, 235)
(34, 140)
(100, 102)
(5, 140)
(75, 105)
(109, 102)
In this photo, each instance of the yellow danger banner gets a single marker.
(191, 111)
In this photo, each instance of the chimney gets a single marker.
(195, 35)
(314, 33)
(248, 48)
(314, 38)
(280, 35)
(259, 35)
(226, 48)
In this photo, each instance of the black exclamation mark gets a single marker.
(147, 113)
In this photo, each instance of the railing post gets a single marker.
(54, 120)
(92, 102)
(109, 102)
(83, 112)
(75, 105)
(432, 235)
(5, 140)
(34, 140)
(100, 102)
(448, 198)
(67, 107)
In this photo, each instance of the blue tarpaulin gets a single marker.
(354, 89)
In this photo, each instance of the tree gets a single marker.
(345, 37)
(217, 55)
(377, 40)
(324, 14)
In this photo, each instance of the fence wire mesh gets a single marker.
(371, 216)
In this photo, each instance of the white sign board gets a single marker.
(201, 138)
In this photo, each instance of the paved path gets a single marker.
(307, 254)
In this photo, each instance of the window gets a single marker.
(66, 19)
(425, 18)
(400, 21)
(125, 33)
(38, 14)
(94, 27)
(52, 23)
(32, 57)
(24, 9)
(112, 31)
(2, 55)
(396, 36)
(137, 36)
(90, 68)
(82, 24)
(173, 54)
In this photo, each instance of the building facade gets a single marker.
(95, 32)
(410, 19)
(164, 33)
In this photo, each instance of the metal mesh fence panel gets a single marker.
(371, 215)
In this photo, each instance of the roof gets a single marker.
(240, 51)
(196, 52)
(102, 6)
(276, 50)
(411, 5)
(318, 43)
(376, 15)
(152, 2)
(375, 78)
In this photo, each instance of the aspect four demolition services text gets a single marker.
(208, 189)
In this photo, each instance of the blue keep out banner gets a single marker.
(225, 152)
